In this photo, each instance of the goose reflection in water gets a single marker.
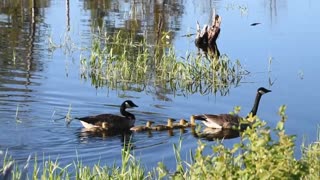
(86, 136)
(215, 134)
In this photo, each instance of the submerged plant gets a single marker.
(17, 115)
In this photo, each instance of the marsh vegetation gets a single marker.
(121, 61)
(262, 152)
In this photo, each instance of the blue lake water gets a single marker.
(39, 85)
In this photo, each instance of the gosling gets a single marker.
(161, 127)
(99, 129)
(192, 122)
(147, 127)
(182, 124)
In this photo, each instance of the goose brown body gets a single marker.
(228, 121)
(224, 121)
(111, 121)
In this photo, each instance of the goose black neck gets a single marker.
(126, 113)
(256, 104)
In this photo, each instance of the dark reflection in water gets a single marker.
(210, 51)
(273, 7)
(22, 33)
(85, 135)
(215, 134)
(143, 17)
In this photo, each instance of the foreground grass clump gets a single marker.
(122, 60)
(256, 156)
(50, 169)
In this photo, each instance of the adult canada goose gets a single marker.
(161, 127)
(111, 121)
(182, 124)
(227, 121)
(142, 128)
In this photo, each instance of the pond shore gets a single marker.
(257, 155)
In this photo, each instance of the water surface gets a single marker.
(39, 84)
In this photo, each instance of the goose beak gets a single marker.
(267, 91)
(133, 105)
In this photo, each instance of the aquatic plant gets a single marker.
(125, 61)
(256, 156)
(17, 115)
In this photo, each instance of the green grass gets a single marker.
(256, 156)
(125, 60)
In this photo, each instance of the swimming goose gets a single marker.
(161, 127)
(142, 128)
(111, 121)
(227, 121)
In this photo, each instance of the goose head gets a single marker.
(263, 90)
(128, 104)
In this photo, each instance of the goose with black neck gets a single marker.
(112, 122)
(228, 121)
